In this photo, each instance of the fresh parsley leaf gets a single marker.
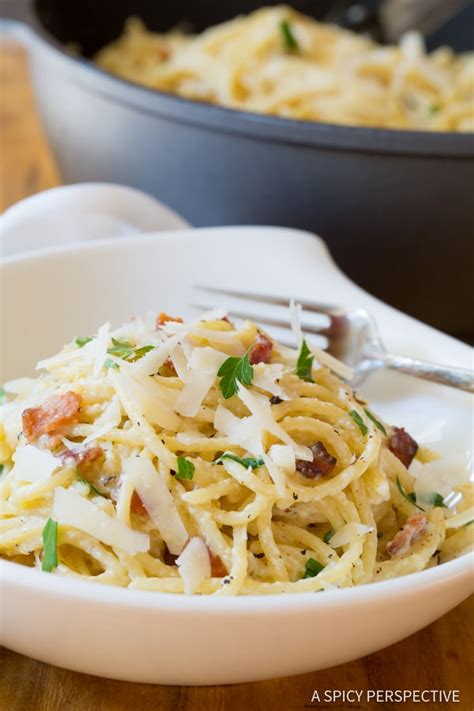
(359, 421)
(92, 488)
(304, 364)
(246, 462)
(140, 352)
(127, 351)
(1, 469)
(233, 371)
(81, 342)
(376, 422)
(121, 349)
(2, 394)
(328, 535)
(289, 39)
(109, 363)
(185, 468)
(438, 500)
(434, 109)
(312, 568)
(50, 545)
(411, 497)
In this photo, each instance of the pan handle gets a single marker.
(17, 19)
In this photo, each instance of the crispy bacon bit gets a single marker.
(218, 569)
(402, 445)
(322, 465)
(167, 369)
(168, 557)
(54, 417)
(136, 505)
(262, 350)
(83, 459)
(164, 53)
(414, 528)
(163, 318)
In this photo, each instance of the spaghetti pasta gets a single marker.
(277, 61)
(158, 457)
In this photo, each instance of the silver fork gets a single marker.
(352, 337)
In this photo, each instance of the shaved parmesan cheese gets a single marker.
(203, 366)
(461, 518)
(266, 377)
(74, 510)
(276, 474)
(348, 533)
(194, 565)
(20, 386)
(152, 361)
(295, 322)
(110, 418)
(284, 457)
(96, 350)
(260, 407)
(158, 502)
(147, 397)
(244, 431)
(33, 464)
(180, 362)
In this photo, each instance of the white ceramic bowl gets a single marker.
(50, 297)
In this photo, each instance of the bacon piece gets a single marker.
(167, 369)
(413, 529)
(136, 505)
(168, 557)
(322, 464)
(218, 569)
(262, 350)
(163, 318)
(82, 459)
(163, 53)
(55, 415)
(402, 445)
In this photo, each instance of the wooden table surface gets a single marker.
(438, 657)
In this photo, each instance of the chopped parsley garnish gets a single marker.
(438, 500)
(233, 371)
(127, 351)
(304, 364)
(359, 421)
(2, 394)
(109, 363)
(328, 535)
(289, 39)
(376, 422)
(434, 109)
(50, 546)
(312, 568)
(1, 469)
(246, 462)
(92, 488)
(81, 342)
(185, 468)
(411, 497)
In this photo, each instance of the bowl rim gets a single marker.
(14, 574)
(250, 125)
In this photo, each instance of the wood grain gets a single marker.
(439, 656)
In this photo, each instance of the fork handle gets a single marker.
(454, 377)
